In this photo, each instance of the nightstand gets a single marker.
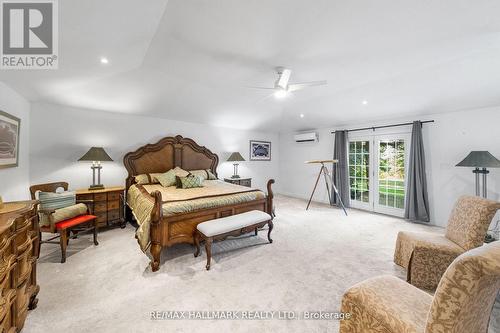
(239, 181)
(107, 204)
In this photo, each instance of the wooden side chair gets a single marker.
(64, 221)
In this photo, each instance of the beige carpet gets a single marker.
(315, 256)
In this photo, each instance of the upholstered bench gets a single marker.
(233, 225)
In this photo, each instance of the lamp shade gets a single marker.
(97, 154)
(235, 157)
(480, 159)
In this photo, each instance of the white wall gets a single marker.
(14, 182)
(60, 135)
(447, 141)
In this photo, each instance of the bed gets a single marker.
(168, 216)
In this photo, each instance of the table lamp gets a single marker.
(96, 155)
(480, 160)
(235, 157)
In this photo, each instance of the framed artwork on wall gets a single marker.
(260, 150)
(9, 140)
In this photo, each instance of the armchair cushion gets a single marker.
(407, 241)
(74, 221)
(63, 214)
(470, 220)
(426, 256)
(385, 304)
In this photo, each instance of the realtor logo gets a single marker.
(29, 34)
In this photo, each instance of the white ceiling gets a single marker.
(194, 60)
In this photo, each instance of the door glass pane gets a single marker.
(359, 161)
(391, 183)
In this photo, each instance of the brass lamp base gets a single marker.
(235, 174)
(95, 186)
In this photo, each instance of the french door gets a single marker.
(377, 173)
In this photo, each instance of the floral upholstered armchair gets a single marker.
(462, 302)
(426, 256)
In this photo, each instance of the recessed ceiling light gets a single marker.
(301, 115)
(365, 102)
(104, 61)
(280, 93)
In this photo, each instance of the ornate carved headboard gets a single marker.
(167, 154)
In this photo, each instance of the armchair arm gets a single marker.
(87, 203)
(49, 214)
(47, 211)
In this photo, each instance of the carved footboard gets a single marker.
(179, 228)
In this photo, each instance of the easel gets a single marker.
(324, 171)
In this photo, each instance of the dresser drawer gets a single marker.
(24, 264)
(246, 182)
(6, 303)
(4, 239)
(102, 217)
(100, 197)
(86, 197)
(100, 207)
(113, 196)
(113, 215)
(8, 264)
(6, 244)
(113, 205)
(22, 297)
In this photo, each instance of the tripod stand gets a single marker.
(328, 183)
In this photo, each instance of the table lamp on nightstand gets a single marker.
(235, 157)
(96, 155)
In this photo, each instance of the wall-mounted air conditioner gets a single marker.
(306, 137)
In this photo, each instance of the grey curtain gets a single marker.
(417, 201)
(340, 170)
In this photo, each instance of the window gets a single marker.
(377, 173)
(391, 173)
(359, 169)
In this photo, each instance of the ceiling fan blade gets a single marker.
(299, 86)
(264, 88)
(284, 78)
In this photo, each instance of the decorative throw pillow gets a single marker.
(55, 201)
(147, 178)
(167, 179)
(180, 172)
(51, 200)
(63, 214)
(154, 177)
(200, 173)
(142, 179)
(191, 181)
(210, 175)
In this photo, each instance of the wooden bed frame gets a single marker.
(185, 153)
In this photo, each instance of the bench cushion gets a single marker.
(231, 223)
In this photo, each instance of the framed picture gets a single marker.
(9, 140)
(260, 150)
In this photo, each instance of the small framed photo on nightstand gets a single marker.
(260, 150)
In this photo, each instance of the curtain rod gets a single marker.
(385, 126)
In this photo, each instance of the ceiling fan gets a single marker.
(282, 86)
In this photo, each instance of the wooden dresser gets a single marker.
(19, 245)
(107, 204)
(239, 181)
